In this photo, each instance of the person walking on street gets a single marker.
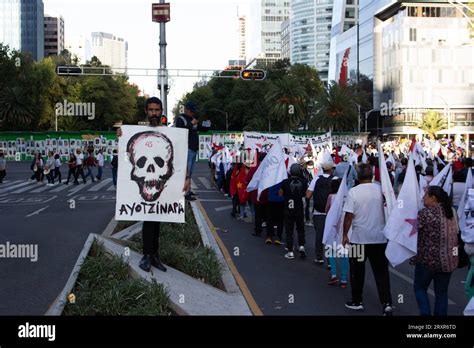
(72, 167)
(100, 164)
(90, 163)
(436, 258)
(364, 212)
(189, 121)
(3, 167)
(114, 166)
(79, 167)
(293, 191)
(57, 166)
(38, 167)
(49, 168)
(320, 189)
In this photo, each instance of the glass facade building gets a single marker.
(22, 26)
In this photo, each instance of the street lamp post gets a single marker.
(366, 117)
(226, 118)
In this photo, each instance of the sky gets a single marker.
(201, 34)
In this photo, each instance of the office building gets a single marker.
(53, 35)
(111, 51)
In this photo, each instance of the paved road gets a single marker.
(274, 281)
(32, 213)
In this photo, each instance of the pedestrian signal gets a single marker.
(164, 120)
(252, 75)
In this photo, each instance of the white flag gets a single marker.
(387, 188)
(334, 219)
(364, 156)
(462, 202)
(402, 226)
(271, 171)
(442, 177)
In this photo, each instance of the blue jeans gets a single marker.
(344, 266)
(423, 278)
(89, 172)
(99, 172)
(191, 160)
(114, 176)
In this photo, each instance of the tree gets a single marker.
(432, 123)
(285, 99)
(15, 109)
(336, 110)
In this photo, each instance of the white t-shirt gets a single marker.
(79, 159)
(100, 159)
(365, 201)
(313, 185)
(458, 190)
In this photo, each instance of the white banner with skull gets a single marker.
(151, 174)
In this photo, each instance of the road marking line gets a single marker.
(411, 281)
(16, 186)
(100, 185)
(205, 182)
(112, 188)
(227, 207)
(238, 278)
(38, 211)
(10, 183)
(60, 188)
(23, 189)
(41, 189)
(193, 185)
(78, 188)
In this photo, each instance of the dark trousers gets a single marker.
(79, 171)
(379, 263)
(3, 173)
(72, 172)
(114, 176)
(306, 209)
(151, 237)
(319, 223)
(57, 174)
(39, 175)
(235, 204)
(260, 217)
(50, 177)
(276, 211)
(423, 278)
(89, 173)
(291, 220)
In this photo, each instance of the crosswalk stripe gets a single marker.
(15, 186)
(111, 188)
(10, 183)
(78, 188)
(41, 189)
(24, 189)
(100, 185)
(205, 182)
(60, 188)
(227, 207)
(193, 185)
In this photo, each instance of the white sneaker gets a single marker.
(302, 251)
(290, 255)
(264, 224)
(309, 223)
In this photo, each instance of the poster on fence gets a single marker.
(151, 174)
(263, 142)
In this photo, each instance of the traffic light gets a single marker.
(164, 120)
(253, 75)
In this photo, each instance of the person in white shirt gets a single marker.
(321, 186)
(364, 212)
(57, 165)
(49, 168)
(100, 164)
(79, 167)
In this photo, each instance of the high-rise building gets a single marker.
(264, 28)
(419, 55)
(110, 50)
(80, 47)
(242, 38)
(285, 39)
(21, 26)
(53, 35)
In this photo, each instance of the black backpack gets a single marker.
(297, 190)
(322, 190)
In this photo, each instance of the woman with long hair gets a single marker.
(437, 254)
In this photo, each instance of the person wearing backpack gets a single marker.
(293, 191)
(320, 189)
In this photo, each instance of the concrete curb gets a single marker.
(188, 296)
(110, 227)
(127, 233)
(208, 239)
(57, 307)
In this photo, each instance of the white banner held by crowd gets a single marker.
(151, 174)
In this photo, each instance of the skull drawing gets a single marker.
(151, 155)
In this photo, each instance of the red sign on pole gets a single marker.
(160, 12)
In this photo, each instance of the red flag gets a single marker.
(242, 186)
(344, 64)
(413, 142)
(337, 159)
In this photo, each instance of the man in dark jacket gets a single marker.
(189, 121)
